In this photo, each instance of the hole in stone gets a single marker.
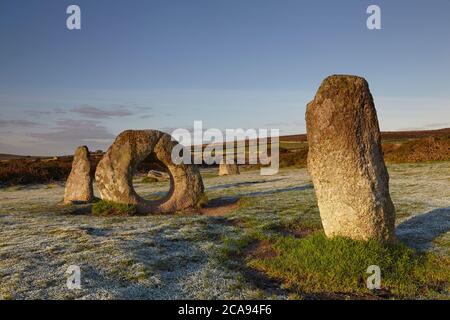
(151, 179)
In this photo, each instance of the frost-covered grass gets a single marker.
(189, 256)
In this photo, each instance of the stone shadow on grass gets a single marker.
(419, 231)
(275, 191)
(220, 206)
(240, 184)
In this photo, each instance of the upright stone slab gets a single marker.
(228, 168)
(79, 184)
(346, 162)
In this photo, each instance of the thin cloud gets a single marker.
(97, 113)
(19, 123)
(437, 125)
(44, 113)
(76, 132)
(430, 126)
(38, 113)
(144, 109)
(286, 125)
(63, 138)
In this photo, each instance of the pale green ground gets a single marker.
(170, 257)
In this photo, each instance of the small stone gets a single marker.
(346, 162)
(158, 175)
(79, 184)
(227, 168)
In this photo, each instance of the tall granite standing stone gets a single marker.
(346, 162)
(79, 184)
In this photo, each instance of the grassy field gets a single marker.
(263, 241)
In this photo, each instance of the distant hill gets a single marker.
(398, 147)
(399, 135)
(387, 135)
(5, 156)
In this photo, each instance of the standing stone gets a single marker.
(228, 169)
(346, 162)
(114, 173)
(79, 184)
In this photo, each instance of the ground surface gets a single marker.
(171, 257)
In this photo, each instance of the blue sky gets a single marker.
(230, 63)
